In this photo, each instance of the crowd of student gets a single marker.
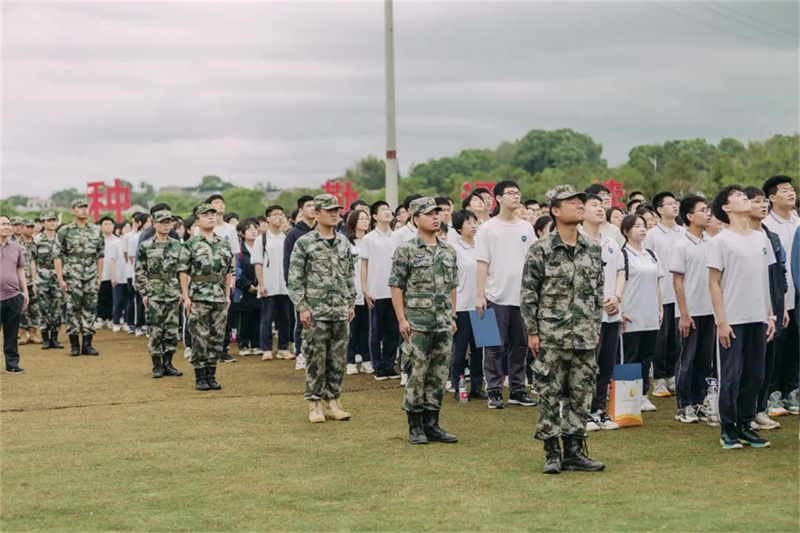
(695, 290)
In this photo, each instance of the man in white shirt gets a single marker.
(272, 292)
(135, 312)
(409, 231)
(662, 239)
(607, 229)
(500, 248)
(377, 249)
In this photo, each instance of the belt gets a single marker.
(44, 270)
(211, 278)
(163, 276)
(82, 255)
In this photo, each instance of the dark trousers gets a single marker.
(462, 340)
(513, 337)
(10, 315)
(769, 368)
(694, 361)
(136, 314)
(298, 334)
(741, 369)
(666, 345)
(607, 354)
(277, 309)
(640, 347)
(105, 301)
(120, 298)
(384, 334)
(359, 335)
(787, 358)
(230, 323)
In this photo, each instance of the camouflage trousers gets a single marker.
(565, 380)
(30, 315)
(207, 328)
(162, 325)
(426, 362)
(81, 306)
(51, 299)
(325, 350)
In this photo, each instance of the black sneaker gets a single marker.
(391, 374)
(380, 375)
(226, 358)
(748, 437)
(495, 399)
(15, 370)
(520, 398)
(478, 394)
(729, 439)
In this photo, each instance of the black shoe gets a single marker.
(729, 438)
(749, 437)
(478, 394)
(553, 456)
(88, 349)
(416, 435)
(170, 370)
(74, 345)
(495, 399)
(45, 340)
(433, 432)
(226, 358)
(380, 375)
(200, 379)
(158, 368)
(211, 373)
(54, 344)
(520, 398)
(15, 370)
(391, 374)
(575, 456)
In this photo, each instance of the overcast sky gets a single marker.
(293, 93)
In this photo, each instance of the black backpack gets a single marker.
(625, 257)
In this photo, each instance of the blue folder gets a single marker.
(485, 329)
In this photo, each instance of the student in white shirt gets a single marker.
(500, 248)
(613, 289)
(404, 234)
(135, 312)
(738, 263)
(376, 251)
(641, 304)
(662, 239)
(121, 288)
(609, 230)
(272, 292)
(108, 277)
(355, 228)
(693, 302)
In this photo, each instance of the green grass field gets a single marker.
(95, 444)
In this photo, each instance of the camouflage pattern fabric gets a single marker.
(156, 270)
(321, 277)
(564, 379)
(28, 255)
(79, 250)
(426, 362)
(426, 274)
(162, 326)
(50, 298)
(325, 350)
(207, 328)
(201, 257)
(81, 306)
(30, 315)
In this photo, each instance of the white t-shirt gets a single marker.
(662, 240)
(690, 259)
(403, 235)
(453, 236)
(744, 262)
(130, 244)
(378, 249)
(503, 246)
(613, 232)
(355, 248)
(640, 302)
(613, 262)
(467, 276)
(271, 275)
(111, 255)
(122, 267)
(785, 230)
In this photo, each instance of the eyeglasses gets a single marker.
(513, 194)
(705, 210)
(670, 203)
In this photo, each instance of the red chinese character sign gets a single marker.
(467, 188)
(617, 189)
(102, 198)
(343, 192)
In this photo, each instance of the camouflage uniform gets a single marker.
(49, 295)
(321, 280)
(156, 277)
(30, 315)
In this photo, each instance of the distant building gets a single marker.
(39, 204)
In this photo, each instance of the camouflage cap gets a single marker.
(204, 208)
(326, 201)
(49, 215)
(160, 216)
(28, 222)
(16, 221)
(426, 204)
(564, 191)
(80, 202)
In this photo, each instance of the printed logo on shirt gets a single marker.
(765, 250)
(610, 250)
(524, 238)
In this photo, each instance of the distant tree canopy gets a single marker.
(213, 183)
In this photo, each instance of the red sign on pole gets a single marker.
(102, 198)
(617, 189)
(467, 188)
(344, 193)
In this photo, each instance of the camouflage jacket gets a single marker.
(79, 249)
(562, 293)
(207, 263)
(45, 253)
(28, 255)
(156, 271)
(321, 277)
(426, 274)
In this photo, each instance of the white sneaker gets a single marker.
(661, 390)
(763, 421)
(601, 419)
(592, 426)
(256, 351)
(449, 387)
(647, 405)
(366, 368)
(187, 352)
(116, 328)
(139, 332)
(466, 372)
(687, 415)
(359, 359)
(352, 369)
(403, 379)
(300, 362)
(671, 384)
(98, 324)
(109, 324)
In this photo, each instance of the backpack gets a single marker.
(264, 246)
(625, 257)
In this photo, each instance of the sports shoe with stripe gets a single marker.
(748, 437)
(729, 438)
(686, 415)
(647, 405)
(764, 422)
(700, 411)
(602, 421)
(661, 390)
(775, 406)
(792, 403)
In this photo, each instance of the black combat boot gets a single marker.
(553, 454)
(575, 457)
(200, 379)
(170, 370)
(211, 373)
(158, 368)
(88, 349)
(415, 432)
(54, 340)
(46, 340)
(432, 430)
(74, 345)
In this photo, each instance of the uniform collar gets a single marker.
(779, 219)
(419, 243)
(694, 240)
(555, 238)
(665, 229)
(464, 245)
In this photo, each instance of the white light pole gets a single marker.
(391, 128)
